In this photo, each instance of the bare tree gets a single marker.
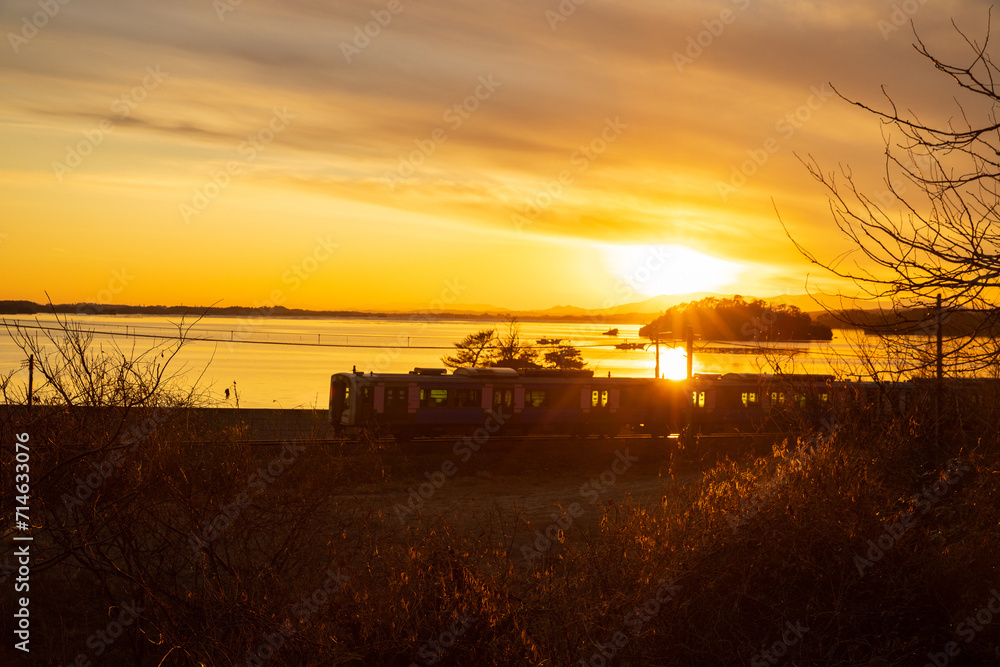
(125, 507)
(944, 239)
(74, 370)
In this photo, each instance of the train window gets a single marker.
(749, 399)
(701, 399)
(366, 395)
(694, 398)
(800, 400)
(502, 397)
(599, 398)
(534, 398)
(468, 398)
(824, 398)
(433, 398)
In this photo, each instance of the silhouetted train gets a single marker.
(428, 402)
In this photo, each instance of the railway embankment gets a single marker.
(201, 424)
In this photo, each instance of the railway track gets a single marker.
(519, 439)
(413, 441)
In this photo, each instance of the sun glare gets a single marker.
(652, 270)
(673, 363)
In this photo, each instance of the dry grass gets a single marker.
(408, 585)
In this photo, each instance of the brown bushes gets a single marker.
(315, 573)
(870, 544)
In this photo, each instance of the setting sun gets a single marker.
(673, 363)
(652, 270)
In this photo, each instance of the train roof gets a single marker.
(484, 372)
(758, 378)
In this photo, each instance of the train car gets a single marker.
(423, 401)
(962, 404)
(427, 402)
(751, 403)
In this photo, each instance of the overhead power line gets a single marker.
(200, 339)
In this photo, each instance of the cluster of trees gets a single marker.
(504, 348)
(736, 319)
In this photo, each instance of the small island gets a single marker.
(736, 319)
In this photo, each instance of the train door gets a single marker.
(698, 403)
(396, 402)
(503, 400)
(364, 402)
(601, 409)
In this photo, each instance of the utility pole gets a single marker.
(657, 373)
(940, 375)
(689, 334)
(31, 380)
(940, 341)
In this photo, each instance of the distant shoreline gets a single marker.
(32, 308)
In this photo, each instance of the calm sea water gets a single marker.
(287, 363)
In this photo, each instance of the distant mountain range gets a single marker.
(658, 304)
(639, 312)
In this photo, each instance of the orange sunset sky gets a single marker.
(378, 154)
